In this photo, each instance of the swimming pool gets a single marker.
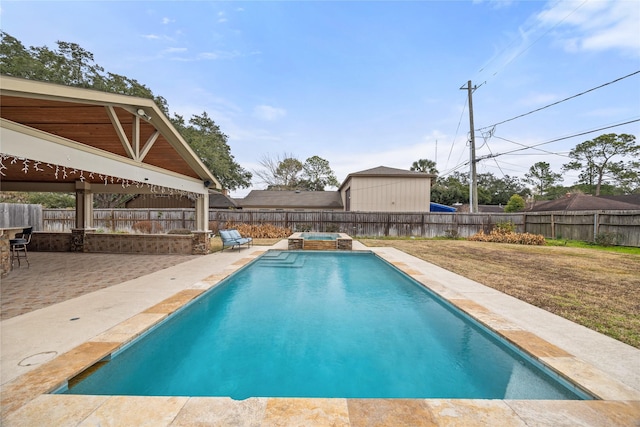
(321, 324)
(320, 236)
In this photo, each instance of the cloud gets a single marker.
(171, 50)
(221, 17)
(151, 36)
(219, 54)
(496, 4)
(594, 25)
(268, 113)
(166, 21)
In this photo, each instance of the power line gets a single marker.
(563, 100)
(457, 129)
(559, 139)
(534, 148)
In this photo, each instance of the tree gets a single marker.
(210, 145)
(317, 174)
(497, 191)
(286, 172)
(47, 200)
(71, 65)
(279, 172)
(603, 158)
(542, 178)
(515, 204)
(451, 189)
(424, 165)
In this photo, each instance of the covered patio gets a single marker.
(65, 139)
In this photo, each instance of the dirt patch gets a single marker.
(597, 289)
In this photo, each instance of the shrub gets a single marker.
(145, 227)
(262, 231)
(451, 234)
(303, 228)
(332, 228)
(505, 227)
(179, 231)
(497, 236)
(515, 204)
(607, 238)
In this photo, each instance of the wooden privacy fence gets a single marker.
(152, 221)
(18, 215)
(586, 226)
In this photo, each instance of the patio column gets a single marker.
(202, 212)
(84, 205)
(201, 238)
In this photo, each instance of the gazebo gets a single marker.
(56, 138)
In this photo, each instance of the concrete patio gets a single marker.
(59, 318)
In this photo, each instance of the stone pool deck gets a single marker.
(44, 348)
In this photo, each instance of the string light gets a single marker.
(28, 166)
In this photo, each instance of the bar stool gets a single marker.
(19, 246)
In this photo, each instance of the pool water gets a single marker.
(320, 236)
(321, 324)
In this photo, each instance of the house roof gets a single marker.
(384, 171)
(292, 199)
(628, 198)
(582, 202)
(63, 129)
(221, 201)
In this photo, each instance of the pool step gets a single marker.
(282, 259)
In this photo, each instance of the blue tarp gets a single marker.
(437, 207)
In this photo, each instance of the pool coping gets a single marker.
(25, 400)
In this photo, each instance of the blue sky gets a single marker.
(365, 84)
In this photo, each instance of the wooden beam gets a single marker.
(120, 131)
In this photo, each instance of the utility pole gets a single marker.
(473, 182)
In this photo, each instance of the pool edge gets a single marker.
(24, 397)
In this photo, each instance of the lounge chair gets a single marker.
(233, 238)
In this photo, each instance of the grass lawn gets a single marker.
(599, 289)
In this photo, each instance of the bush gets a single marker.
(262, 231)
(515, 204)
(332, 228)
(498, 236)
(179, 231)
(303, 228)
(505, 227)
(145, 227)
(607, 238)
(451, 234)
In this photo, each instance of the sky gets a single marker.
(364, 84)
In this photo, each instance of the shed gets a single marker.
(385, 189)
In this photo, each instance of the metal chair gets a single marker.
(19, 246)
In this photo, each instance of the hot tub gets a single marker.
(320, 241)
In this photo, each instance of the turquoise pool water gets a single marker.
(321, 324)
(320, 236)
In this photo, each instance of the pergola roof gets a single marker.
(67, 134)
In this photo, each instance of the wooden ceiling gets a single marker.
(89, 124)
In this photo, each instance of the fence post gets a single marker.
(596, 225)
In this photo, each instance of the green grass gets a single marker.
(588, 245)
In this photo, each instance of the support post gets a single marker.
(84, 205)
